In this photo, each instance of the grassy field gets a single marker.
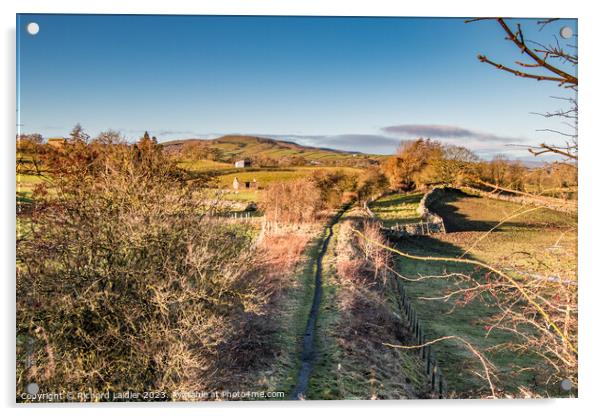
(26, 183)
(263, 177)
(238, 147)
(540, 242)
(521, 242)
(267, 176)
(224, 174)
(204, 165)
(397, 208)
(245, 195)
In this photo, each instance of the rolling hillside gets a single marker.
(234, 147)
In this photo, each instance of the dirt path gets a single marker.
(308, 354)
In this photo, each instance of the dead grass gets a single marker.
(282, 253)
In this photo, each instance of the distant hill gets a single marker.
(233, 147)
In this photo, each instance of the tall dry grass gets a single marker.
(369, 369)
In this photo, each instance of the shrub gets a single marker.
(372, 184)
(125, 283)
(291, 202)
(332, 186)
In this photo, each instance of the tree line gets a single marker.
(424, 163)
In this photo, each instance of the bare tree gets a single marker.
(545, 63)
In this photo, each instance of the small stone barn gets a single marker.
(236, 184)
(243, 163)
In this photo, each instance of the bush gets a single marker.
(332, 187)
(372, 184)
(291, 202)
(125, 283)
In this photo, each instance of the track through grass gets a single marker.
(308, 350)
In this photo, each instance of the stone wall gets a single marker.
(425, 227)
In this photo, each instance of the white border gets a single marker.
(590, 155)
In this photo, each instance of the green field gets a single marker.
(267, 176)
(223, 174)
(397, 208)
(26, 184)
(245, 195)
(264, 177)
(204, 165)
(540, 242)
(543, 233)
(273, 151)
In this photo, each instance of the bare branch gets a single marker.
(520, 43)
(523, 292)
(521, 74)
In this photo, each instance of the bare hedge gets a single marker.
(125, 283)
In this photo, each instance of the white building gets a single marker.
(243, 163)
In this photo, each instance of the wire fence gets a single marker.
(436, 379)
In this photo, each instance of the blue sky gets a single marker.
(359, 84)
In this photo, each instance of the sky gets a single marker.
(357, 84)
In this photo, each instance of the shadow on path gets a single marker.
(308, 354)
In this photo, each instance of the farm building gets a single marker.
(236, 184)
(243, 163)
